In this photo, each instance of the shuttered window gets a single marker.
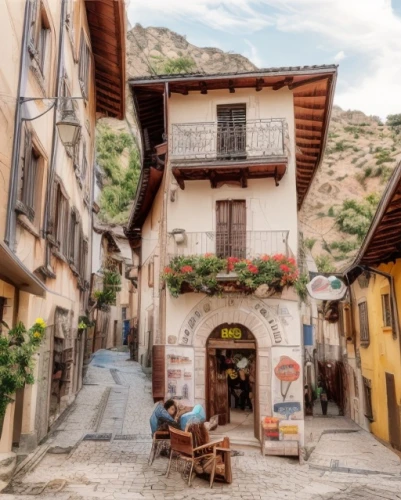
(84, 66)
(61, 220)
(231, 228)
(32, 163)
(386, 310)
(231, 130)
(364, 322)
(367, 389)
(158, 371)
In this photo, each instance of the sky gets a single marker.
(362, 36)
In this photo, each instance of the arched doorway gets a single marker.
(231, 372)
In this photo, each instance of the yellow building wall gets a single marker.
(383, 353)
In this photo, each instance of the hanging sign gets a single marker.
(322, 288)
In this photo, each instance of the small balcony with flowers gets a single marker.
(255, 262)
(233, 150)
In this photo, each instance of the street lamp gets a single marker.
(68, 128)
(68, 125)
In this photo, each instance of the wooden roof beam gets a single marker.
(309, 106)
(311, 128)
(309, 118)
(308, 81)
(203, 88)
(283, 83)
(259, 84)
(312, 137)
(231, 86)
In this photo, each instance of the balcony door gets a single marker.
(231, 228)
(231, 131)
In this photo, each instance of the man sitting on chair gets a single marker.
(163, 416)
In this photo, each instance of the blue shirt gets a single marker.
(159, 412)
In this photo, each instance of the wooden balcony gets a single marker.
(229, 153)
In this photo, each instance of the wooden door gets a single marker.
(217, 393)
(231, 228)
(393, 412)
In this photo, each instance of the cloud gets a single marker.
(339, 56)
(368, 31)
(253, 54)
(225, 15)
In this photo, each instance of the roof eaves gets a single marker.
(381, 210)
(285, 70)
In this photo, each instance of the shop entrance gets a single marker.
(231, 377)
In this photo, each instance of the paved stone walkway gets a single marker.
(116, 400)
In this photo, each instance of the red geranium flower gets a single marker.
(292, 261)
(284, 268)
(208, 255)
(186, 269)
(168, 270)
(279, 256)
(253, 269)
(231, 261)
(265, 258)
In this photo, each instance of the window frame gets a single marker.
(386, 312)
(364, 333)
(367, 394)
(32, 172)
(84, 65)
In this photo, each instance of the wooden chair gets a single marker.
(183, 446)
(160, 440)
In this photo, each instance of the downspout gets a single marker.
(163, 225)
(13, 185)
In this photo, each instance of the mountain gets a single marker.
(360, 155)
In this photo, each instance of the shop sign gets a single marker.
(322, 288)
(231, 333)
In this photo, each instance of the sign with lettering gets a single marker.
(231, 333)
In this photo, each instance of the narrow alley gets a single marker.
(100, 448)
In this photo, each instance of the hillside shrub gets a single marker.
(355, 217)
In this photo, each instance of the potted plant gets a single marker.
(17, 348)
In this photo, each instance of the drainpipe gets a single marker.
(13, 185)
(163, 229)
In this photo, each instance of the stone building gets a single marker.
(62, 67)
(227, 162)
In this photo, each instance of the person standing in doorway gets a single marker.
(323, 399)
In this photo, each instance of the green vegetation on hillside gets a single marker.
(355, 217)
(119, 183)
(169, 66)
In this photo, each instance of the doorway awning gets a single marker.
(14, 272)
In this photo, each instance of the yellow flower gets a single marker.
(40, 322)
(37, 335)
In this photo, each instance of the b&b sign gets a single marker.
(231, 333)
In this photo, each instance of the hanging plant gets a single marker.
(111, 286)
(200, 273)
(17, 348)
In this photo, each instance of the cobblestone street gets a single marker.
(116, 399)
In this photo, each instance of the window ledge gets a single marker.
(27, 224)
(387, 329)
(56, 252)
(365, 343)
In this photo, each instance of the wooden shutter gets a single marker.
(158, 371)
(231, 130)
(238, 229)
(223, 229)
(231, 228)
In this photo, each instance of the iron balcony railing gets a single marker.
(246, 244)
(214, 141)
